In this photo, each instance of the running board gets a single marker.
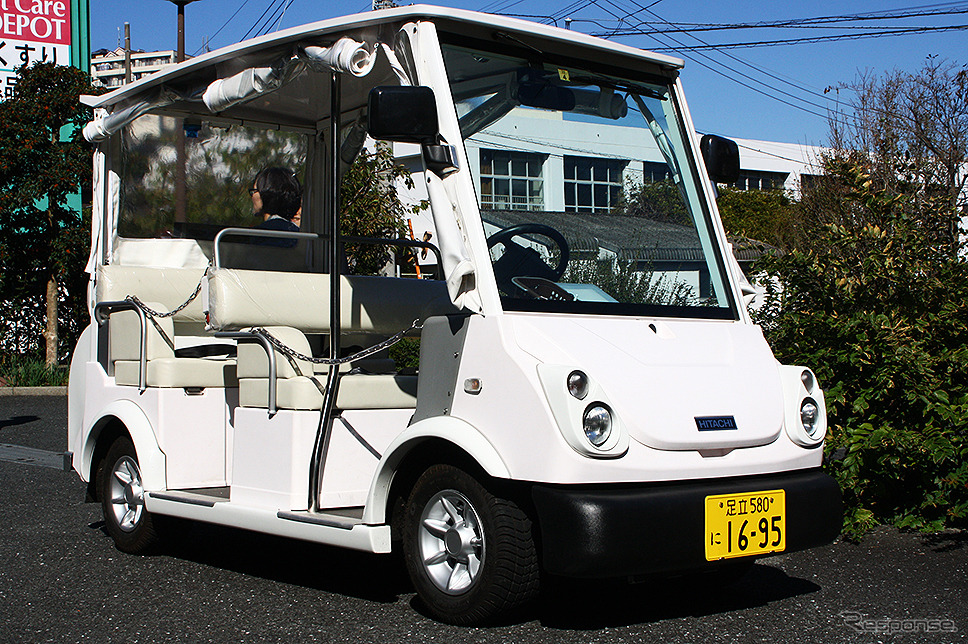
(191, 498)
(320, 518)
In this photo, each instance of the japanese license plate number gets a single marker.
(740, 525)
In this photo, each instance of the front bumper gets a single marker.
(615, 531)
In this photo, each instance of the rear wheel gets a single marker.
(469, 553)
(122, 500)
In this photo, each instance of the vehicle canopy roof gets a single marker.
(180, 89)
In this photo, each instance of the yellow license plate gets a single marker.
(740, 525)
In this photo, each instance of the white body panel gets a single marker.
(498, 384)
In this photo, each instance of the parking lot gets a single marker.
(61, 579)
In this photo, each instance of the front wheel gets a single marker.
(122, 500)
(470, 554)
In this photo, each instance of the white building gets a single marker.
(517, 171)
(107, 67)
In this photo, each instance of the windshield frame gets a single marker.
(726, 307)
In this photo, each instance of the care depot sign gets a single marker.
(32, 31)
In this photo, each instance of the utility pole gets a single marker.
(127, 53)
(383, 4)
(181, 198)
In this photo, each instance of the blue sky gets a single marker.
(774, 92)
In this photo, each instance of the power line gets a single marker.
(224, 25)
(812, 23)
(810, 40)
(256, 27)
(736, 73)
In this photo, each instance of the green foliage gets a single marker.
(406, 353)
(626, 283)
(43, 161)
(878, 307)
(221, 164)
(372, 208)
(658, 201)
(25, 371)
(764, 215)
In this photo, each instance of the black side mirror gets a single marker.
(402, 113)
(721, 157)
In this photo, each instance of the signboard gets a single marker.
(32, 31)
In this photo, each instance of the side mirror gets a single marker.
(721, 157)
(402, 113)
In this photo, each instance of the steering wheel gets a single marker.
(522, 261)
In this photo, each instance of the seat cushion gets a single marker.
(179, 372)
(356, 391)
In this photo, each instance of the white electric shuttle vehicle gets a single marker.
(591, 398)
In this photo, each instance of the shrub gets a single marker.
(26, 371)
(878, 306)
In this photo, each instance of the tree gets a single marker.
(372, 207)
(43, 161)
(876, 303)
(657, 200)
(909, 130)
(768, 216)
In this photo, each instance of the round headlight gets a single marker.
(597, 424)
(809, 416)
(578, 384)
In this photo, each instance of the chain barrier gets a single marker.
(276, 342)
(150, 312)
(376, 348)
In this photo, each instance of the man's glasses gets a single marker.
(252, 191)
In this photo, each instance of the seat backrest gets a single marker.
(380, 305)
(125, 339)
(169, 287)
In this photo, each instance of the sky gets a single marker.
(773, 92)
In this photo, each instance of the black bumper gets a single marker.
(614, 531)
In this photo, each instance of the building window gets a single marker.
(756, 180)
(511, 180)
(592, 185)
(653, 172)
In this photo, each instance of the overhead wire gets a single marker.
(819, 22)
(826, 38)
(256, 27)
(224, 25)
(735, 72)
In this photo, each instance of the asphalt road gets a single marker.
(62, 580)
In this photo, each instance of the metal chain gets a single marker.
(158, 314)
(389, 342)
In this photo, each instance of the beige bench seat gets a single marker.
(356, 391)
(163, 369)
(296, 390)
(179, 372)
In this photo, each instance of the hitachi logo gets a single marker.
(715, 423)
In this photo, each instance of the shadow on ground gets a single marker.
(564, 604)
(13, 421)
(376, 578)
(596, 605)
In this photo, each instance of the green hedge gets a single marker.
(878, 307)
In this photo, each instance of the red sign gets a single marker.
(43, 21)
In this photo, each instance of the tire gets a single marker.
(470, 554)
(122, 500)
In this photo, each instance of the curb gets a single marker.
(33, 391)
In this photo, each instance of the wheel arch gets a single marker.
(434, 440)
(120, 418)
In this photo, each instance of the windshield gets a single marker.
(586, 188)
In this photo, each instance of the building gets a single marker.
(107, 67)
(559, 174)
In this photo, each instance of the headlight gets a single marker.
(578, 384)
(809, 416)
(597, 424)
